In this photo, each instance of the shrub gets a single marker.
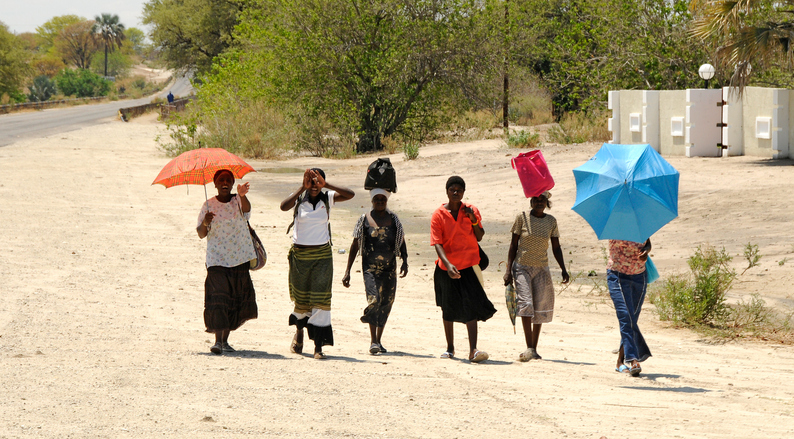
(411, 150)
(81, 83)
(524, 139)
(42, 89)
(699, 297)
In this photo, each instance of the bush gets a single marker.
(580, 127)
(81, 83)
(42, 89)
(411, 150)
(697, 298)
(524, 139)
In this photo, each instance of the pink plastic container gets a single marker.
(533, 173)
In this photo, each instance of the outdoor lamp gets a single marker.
(706, 71)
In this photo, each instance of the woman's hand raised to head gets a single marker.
(307, 179)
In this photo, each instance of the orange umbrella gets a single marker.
(198, 166)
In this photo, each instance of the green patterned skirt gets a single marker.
(311, 273)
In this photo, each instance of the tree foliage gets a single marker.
(377, 68)
(13, 64)
(108, 28)
(42, 89)
(77, 43)
(82, 83)
(757, 33)
(580, 49)
(191, 33)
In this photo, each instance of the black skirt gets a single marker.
(462, 300)
(229, 298)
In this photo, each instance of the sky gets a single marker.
(25, 15)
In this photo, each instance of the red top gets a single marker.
(624, 257)
(457, 237)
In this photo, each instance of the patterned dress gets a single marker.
(380, 247)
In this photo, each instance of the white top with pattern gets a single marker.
(228, 241)
(311, 223)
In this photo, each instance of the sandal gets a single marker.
(622, 369)
(479, 356)
(374, 348)
(320, 356)
(382, 349)
(295, 347)
(217, 348)
(635, 370)
(525, 356)
(228, 348)
(448, 354)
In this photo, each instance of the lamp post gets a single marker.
(706, 71)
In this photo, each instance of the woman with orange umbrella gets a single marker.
(229, 297)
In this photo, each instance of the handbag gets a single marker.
(653, 273)
(484, 261)
(261, 254)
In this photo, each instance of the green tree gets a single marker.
(82, 83)
(191, 33)
(13, 64)
(118, 64)
(110, 31)
(137, 40)
(747, 33)
(77, 43)
(580, 49)
(379, 68)
(48, 32)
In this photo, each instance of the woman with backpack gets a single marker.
(379, 234)
(311, 266)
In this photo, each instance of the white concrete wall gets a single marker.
(650, 118)
(732, 114)
(702, 117)
(769, 103)
(631, 111)
(672, 104)
(613, 124)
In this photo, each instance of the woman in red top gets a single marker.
(455, 230)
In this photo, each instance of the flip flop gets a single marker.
(374, 348)
(448, 354)
(635, 371)
(525, 356)
(320, 356)
(622, 369)
(479, 356)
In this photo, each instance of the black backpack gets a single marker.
(381, 175)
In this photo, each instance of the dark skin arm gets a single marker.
(452, 271)
(646, 249)
(342, 193)
(352, 257)
(289, 202)
(555, 249)
(478, 230)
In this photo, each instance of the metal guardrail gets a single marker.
(8, 108)
(125, 114)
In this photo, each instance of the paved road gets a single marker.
(18, 126)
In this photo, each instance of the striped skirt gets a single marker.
(311, 273)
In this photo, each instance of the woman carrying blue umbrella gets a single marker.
(627, 282)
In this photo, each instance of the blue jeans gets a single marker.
(628, 293)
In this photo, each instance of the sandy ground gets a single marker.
(101, 330)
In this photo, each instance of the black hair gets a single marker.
(548, 202)
(220, 171)
(456, 180)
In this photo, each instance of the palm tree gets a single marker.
(110, 31)
(745, 31)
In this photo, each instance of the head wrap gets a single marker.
(378, 191)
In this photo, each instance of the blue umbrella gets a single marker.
(626, 192)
